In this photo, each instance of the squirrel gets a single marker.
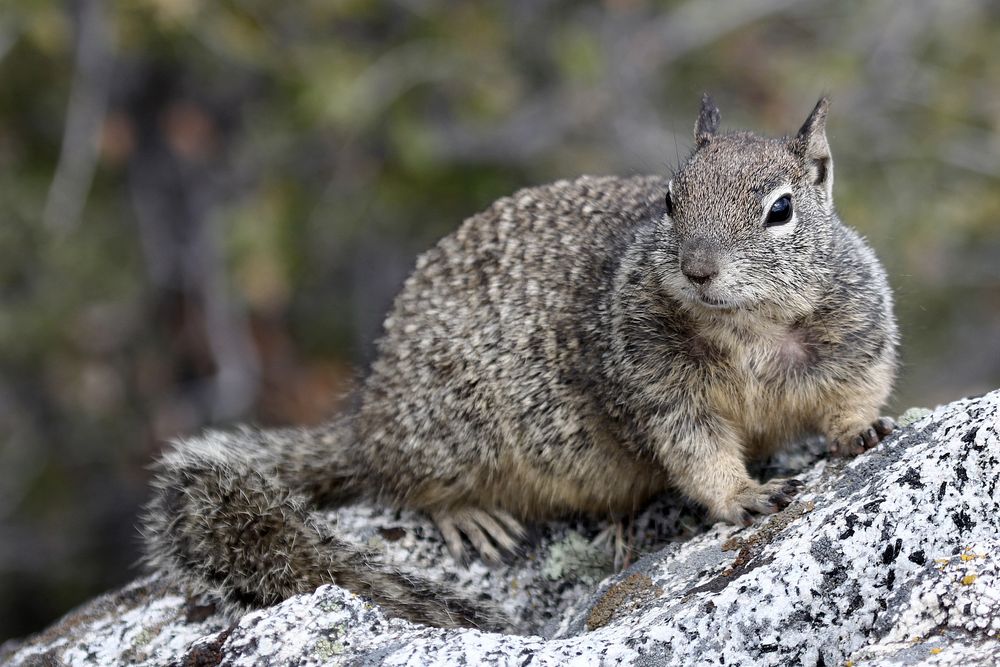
(576, 348)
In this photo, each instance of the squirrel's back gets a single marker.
(486, 382)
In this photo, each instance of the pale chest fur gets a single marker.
(765, 385)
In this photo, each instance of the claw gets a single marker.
(884, 426)
(757, 498)
(867, 439)
(474, 532)
(793, 486)
(492, 534)
(780, 500)
(452, 538)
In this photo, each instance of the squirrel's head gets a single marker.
(747, 217)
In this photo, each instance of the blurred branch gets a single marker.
(971, 152)
(635, 49)
(539, 124)
(88, 102)
(172, 199)
(20, 463)
(8, 37)
(693, 25)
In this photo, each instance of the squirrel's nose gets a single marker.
(699, 261)
(701, 276)
(699, 270)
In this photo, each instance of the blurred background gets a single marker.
(206, 207)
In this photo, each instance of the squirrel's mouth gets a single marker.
(717, 304)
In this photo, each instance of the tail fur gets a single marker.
(231, 515)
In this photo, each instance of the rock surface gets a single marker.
(890, 559)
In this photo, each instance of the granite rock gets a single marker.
(892, 558)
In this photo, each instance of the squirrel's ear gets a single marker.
(708, 121)
(811, 145)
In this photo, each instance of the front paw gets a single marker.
(854, 443)
(757, 498)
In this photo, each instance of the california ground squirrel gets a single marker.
(579, 347)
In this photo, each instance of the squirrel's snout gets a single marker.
(699, 263)
(701, 274)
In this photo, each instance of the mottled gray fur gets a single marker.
(578, 347)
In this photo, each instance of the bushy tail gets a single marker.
(231, 516)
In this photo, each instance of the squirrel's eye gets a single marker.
(670, 205)
(780, 213)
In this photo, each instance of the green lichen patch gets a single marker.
(327, 649)
(912, 415)
(576, 558)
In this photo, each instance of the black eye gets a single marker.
(670, 205)
(780, 213)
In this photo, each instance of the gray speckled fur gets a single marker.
(551, 358)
